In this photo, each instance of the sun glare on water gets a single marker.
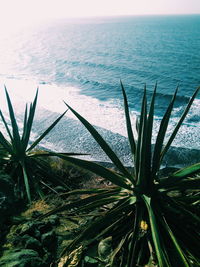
(18, 14)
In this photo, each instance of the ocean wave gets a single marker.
(108, 115)
(64, 140)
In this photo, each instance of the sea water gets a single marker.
(81, 61)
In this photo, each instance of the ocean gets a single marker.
(81, 61)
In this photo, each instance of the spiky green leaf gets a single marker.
(162, 260)
(149, 129)
(6, 126)
(16, 136)
(46, 132)
(128, 122)
(26, 181)
(161, 135)
(190, 170)
(141, 149)
(7, 146)
(177, 251)
(103, 144)
(173, 135)
(110, 175)
(28, 122)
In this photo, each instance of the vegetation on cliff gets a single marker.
(142, 219)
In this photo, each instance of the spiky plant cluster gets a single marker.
(152, 220)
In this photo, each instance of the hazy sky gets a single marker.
(27, 10)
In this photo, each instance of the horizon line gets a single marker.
(125, 15)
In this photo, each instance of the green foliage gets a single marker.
(19, 158)
(21, 258)
(152, 220)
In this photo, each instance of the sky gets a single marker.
(25, 11)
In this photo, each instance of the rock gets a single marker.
(21, 258)
(27, 228)
(45, 227)
(31, 243)
(37, 234)
(35, 229)
(49, 240)
(54, 220)
(16, 240)
(7, 197)
(47, 258)
(105, 248)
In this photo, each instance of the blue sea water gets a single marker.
(82, 61)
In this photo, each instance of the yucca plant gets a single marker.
(151, 220)
(19, 158)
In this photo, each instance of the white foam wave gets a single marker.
(108, 115)
(103, 114)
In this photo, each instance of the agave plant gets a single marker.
(19, 158)
(151, 220)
